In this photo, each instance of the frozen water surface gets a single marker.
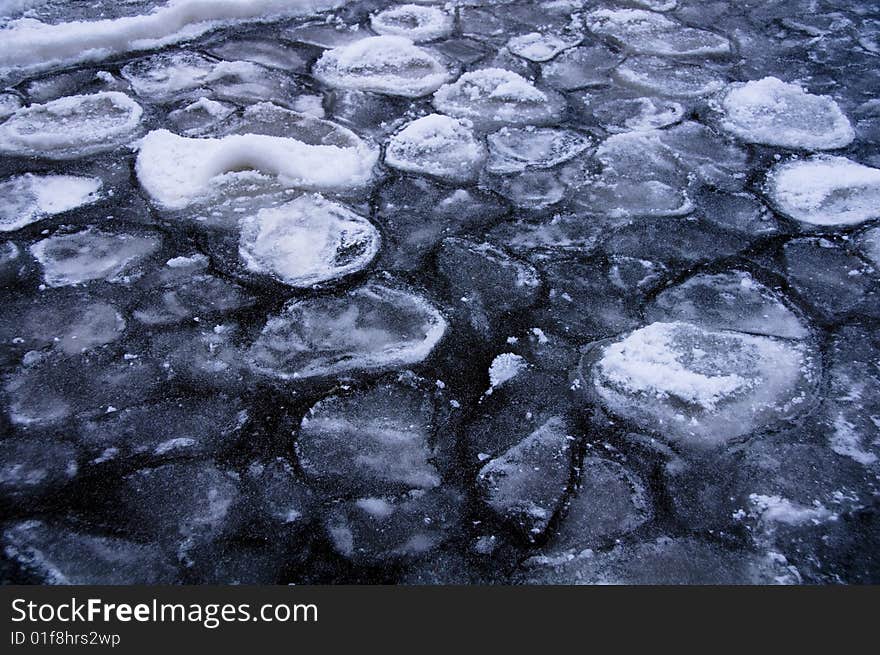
(312, 291)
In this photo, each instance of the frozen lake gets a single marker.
(314, 291)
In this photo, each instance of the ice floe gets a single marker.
(437, 145)
(825, 191)
(373, 327)
(772, 112)
(71, 127)
(701, 388)
(307, 241)
(390, 65)
(91, 254)
(376, 441)
(513, 149)
(28, 198)
(526, 485)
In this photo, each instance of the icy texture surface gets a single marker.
(485, 291)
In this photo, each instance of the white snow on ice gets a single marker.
(825, 190)
(391, 65)
(178, 171)
(771, 112)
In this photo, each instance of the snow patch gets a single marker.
(178, 171)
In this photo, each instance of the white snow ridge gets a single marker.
(178, 171)
(29, 45)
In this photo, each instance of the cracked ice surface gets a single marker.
(493, 291)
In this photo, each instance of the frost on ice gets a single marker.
(437, 145)
(415, 22)
(492, 97)
(376, 441)
(514, 149)
(71, 127)
(391, 65)
(28, 198)
(649, 33)
(701, 388)
(91, 255)
(541, 47)
(825, 191)
(307, 241)
(374, 327)
(774, 113)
